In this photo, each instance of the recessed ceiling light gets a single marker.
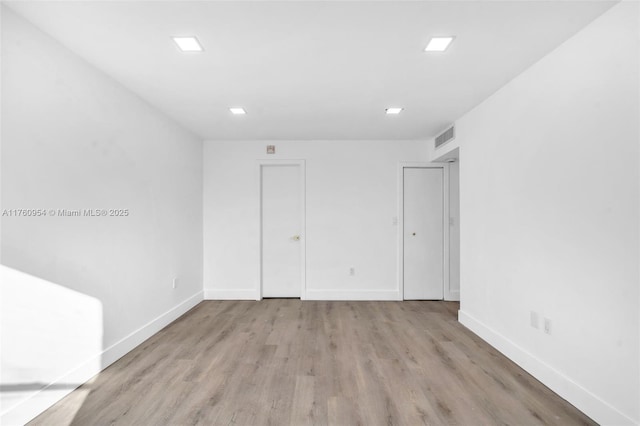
(438, 44)
(237, 111)
(394, 110)
(188, 44)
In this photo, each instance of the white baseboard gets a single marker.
(581, 398)
(216, 294)
(452, 296)
(39, 401)
(353, 295)
(119, 349)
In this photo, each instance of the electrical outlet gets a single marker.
(547, 326)
(534, 319)
(352, 271)
(175, 283)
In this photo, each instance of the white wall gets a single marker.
(454, 230)
(72, 138)
(351, 200)
(550, 208)
(445, 153)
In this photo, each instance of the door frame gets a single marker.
(303, 238)
(446, 290)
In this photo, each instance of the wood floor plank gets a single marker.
(288, 362)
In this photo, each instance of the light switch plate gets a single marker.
(534, 319)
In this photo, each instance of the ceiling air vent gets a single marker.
(446, 136)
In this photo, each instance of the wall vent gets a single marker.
(446, 136)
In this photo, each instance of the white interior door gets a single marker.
(423, 233)
(281, 230)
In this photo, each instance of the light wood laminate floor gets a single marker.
(287, 362)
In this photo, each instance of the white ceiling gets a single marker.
(312, 70)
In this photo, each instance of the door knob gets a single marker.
(296, 238)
